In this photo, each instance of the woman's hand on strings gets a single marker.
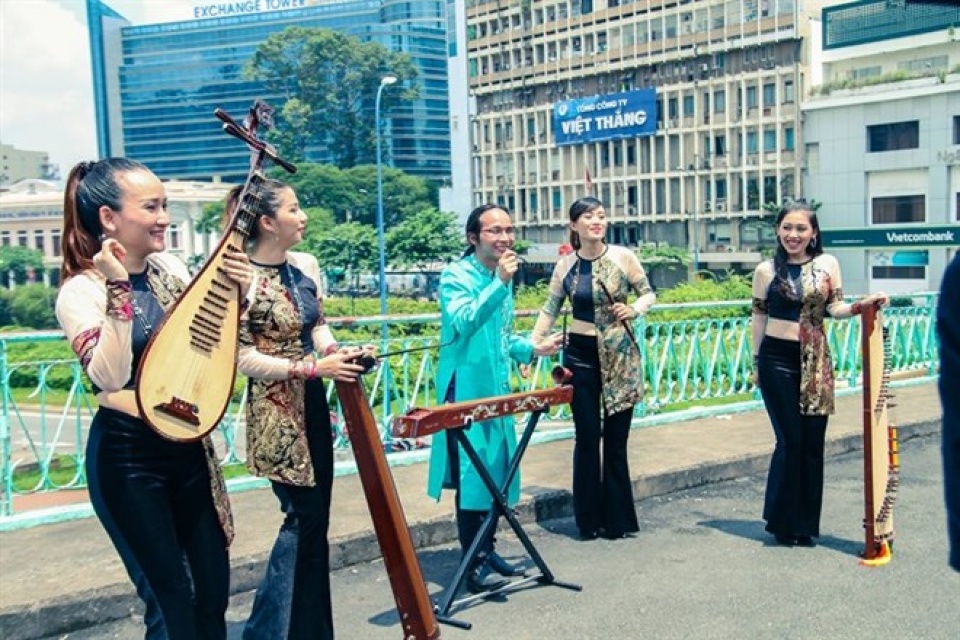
(109, 260)
(342, 365)
(623, 312)
(237, 266)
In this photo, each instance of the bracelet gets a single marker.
(331, 349)
(312, 370)
(120, 299)
(856, 308)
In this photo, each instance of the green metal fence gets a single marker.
(691, 366)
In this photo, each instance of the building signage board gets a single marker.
(206, 10)
(615, 116)
(893, 236)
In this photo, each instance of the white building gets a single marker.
(31, 215)
(882, 142)
(719, 84)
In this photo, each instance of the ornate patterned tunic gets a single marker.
(815, 292)
(284, 323)
(619, 270)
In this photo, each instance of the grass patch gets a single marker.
(707, 402)
(63, 470)
(54, 399)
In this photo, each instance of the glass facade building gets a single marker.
(173, 75)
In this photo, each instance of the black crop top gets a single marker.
(581, 299)
(781, 307)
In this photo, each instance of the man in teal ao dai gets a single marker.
(476, 305)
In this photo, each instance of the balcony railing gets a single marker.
(686, 362)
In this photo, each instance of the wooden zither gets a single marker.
(188, 369)
(414, 606)
(881, 464)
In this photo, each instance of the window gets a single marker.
(38, 241)
(956, 129)
(55, 241)
(173, 234)
(687, 106)
(720, 101)
(899, 273)
(898, 209)
(751, 97)
(893, 136)
(5, 238)
(789, 93)
(769, 140)
(788, 139)
(769, 95)
(720, 145)
(751, 141)
(22, 240)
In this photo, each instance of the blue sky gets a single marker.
(46, 95)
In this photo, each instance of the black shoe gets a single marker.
(785, 540)
(496, 562)
(805, 541)
(586, 534)
(615, 535)
(479, 580)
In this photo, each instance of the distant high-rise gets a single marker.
(19, 164)
(156, 86)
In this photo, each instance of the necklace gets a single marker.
(138, 311)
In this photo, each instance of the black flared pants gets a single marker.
(794, 495)
(602, 486)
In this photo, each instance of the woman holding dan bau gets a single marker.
(604, 356)
(792, 295)
(289, 436)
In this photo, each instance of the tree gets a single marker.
(660, 260)
(33, 306)
(20, 261)
(328, 82)
(346, 247)
(423, 239)
(351, 194)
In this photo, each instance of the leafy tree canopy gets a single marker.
(32, 305)
(423, 239)
(346, 247)
(328, 82)
(351, 194)
(20, 260)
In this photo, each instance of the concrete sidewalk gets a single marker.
(65, 576)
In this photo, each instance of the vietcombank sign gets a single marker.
(888, 236)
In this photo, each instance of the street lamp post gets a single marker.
(384, 82)
(695, 232)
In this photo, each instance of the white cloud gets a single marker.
(46, 92)
(46, 100)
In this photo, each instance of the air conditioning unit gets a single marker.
(631, 210)
(721, 206)
(707, 206)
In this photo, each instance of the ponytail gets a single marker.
(90, 185)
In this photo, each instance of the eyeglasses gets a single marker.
(499, 231)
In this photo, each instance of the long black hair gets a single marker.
(473, 224)
(577, 209)
(814, 249)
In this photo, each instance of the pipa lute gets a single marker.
(188, 369)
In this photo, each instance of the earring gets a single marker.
(813, 242)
